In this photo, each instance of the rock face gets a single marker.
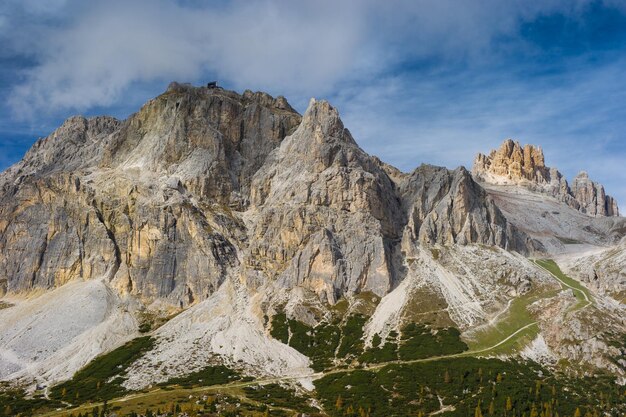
(592, 198)
(202, 184)
(525, 166)
(146, 202)
(448, 207)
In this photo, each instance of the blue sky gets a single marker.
(415, 81)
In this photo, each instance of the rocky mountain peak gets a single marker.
(592, 197)
(514, 164)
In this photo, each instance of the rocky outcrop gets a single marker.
(449, 207)
(212, 140)
(572, 333)
(592, 198)
(513, 164)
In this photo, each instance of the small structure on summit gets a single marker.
(212, 84)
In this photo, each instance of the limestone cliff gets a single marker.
(205, 184)
(512, 164)
(592, 198)
(146, 202)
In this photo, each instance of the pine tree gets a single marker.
(339, 403)
(499, 377)
(477, 411)
(577, 413)
(492, 408)
(63, 392)
(534, 412)
(509, 404)
(446, 377)
(7, 410)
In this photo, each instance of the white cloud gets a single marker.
(88, 54)
(446, 119)
(92, 54)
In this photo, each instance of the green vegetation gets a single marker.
(330, 342)
(280, 328)
(515, 389)
(583, 295)
(385, 353)
(13, 402)
(277, 396)
(318, 343)
(322, 341)
(516, 317)
(352, 337)
(567, 240)
(417, 341)
(211, 375)
(101, 379)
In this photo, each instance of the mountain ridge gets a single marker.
(232, 209)
(525, 165)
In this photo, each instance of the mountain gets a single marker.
(525, 166)
(222, 235)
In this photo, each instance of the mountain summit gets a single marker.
(515, 164)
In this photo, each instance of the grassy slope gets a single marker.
(583, 294)
(516, 317)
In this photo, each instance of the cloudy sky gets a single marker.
(415, 81)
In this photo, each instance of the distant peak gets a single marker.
(514, 164)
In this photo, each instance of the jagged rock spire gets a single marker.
(515, 164)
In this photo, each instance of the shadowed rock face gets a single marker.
(205, 184)
(514, 164)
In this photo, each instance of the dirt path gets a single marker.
(563, 283)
